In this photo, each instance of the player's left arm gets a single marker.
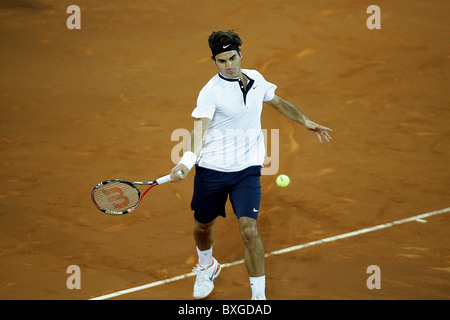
(290, 111)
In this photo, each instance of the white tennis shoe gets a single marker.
(204, 283)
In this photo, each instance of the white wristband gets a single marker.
(188, 159)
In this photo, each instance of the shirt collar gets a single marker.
(234, 79)
(241, 84)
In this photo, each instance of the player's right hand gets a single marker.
(178, 173)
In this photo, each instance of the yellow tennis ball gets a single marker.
(283, 180)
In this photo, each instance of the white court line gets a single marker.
(419, 218)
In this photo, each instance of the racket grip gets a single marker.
(167, 178)
(163, 179)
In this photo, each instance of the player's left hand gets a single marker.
(318, 130)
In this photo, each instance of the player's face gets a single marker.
(229, 63)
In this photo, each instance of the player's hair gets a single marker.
(224, 37)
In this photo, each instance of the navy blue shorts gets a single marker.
(212, 188)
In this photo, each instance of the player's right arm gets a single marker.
(193, 148)
(197, 137)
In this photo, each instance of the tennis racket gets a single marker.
(120, 196)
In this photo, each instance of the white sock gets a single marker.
(258, 285)
(205, 258)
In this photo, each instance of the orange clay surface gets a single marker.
(82, 106)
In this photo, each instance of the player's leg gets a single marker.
(254, 257)
(253, 247)
(204, 238)
(208, 202)
(245, 198)
(208, 268)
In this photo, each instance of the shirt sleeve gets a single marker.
(270, 92)
(269, 87)
(206, 105)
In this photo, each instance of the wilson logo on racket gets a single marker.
(114, 195)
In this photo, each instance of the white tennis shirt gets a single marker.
(234, 140)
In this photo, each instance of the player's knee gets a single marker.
(249, 233)
(202, 228)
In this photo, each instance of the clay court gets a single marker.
(82, 106)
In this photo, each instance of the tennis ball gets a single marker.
(283, 180)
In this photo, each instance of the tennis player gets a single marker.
(227, 149)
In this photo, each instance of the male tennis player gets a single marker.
(227, 147)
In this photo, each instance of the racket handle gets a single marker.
(167, 178)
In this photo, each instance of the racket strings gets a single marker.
(116, 196)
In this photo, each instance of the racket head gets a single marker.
(116, 196)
